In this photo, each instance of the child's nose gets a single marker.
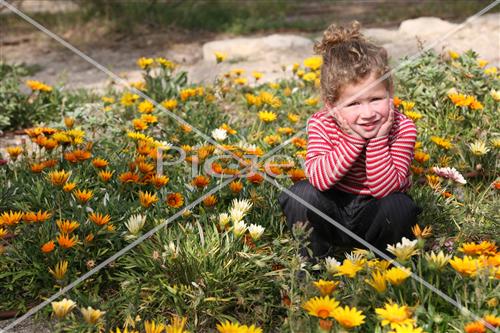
(367, 111)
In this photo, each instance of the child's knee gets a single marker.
(301, 189)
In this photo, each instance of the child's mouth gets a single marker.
(370, 126)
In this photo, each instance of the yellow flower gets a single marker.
(312, 101)
(59, 270)
(177, 325)
(349, 268)
(58, 178)
(413, 115)
(348, 317)
(39, 86)
(394, 314)
(145, 63)
(91, 316)
(220, 57)
(241, 81)
(145, 107)
(406, 328)
(492, 320)
(257, 75)
(237, 71)
(309, 77)
(378, 282)
(62, 308)
(482, 62)
(139, 125)
(129, 99)
(105, 176)
(321, 307)
(3, 233)
(453, 54)
(490, 71)
(397, 275)
(475, 327)
(433, 181)
(108, 100)
(408, 106)
(267, 116)
(147, 199)
(479, 148)
(272, 139)
(293, 117)
(467, 266)
(326, 287)
(483, 248)
(441, 142)
(312, 63)
(437, 261)
(14, 152)
(165, 63)
(169, 104)
(152, 327)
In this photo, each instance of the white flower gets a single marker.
(331, 265)
(243, 205)
(450, 173)
(164, 145)
(224, 219)
(239, 228)
(171, 250)
(134, 225)
(405, 249)
(478, 148)
(219, 134)
(255, 231)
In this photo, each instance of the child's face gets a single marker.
(366, 113)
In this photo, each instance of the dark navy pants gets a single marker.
(378, 221)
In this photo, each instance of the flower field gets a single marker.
(188, 186)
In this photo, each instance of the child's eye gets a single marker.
(352, 104)
(374, 99)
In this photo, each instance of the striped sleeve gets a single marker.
(387, 165)
(330, 154)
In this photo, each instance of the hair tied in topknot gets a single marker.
(335, 35)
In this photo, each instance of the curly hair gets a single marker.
(348, 58)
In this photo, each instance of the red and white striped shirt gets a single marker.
(376, 167)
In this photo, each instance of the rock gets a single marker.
(425, 26)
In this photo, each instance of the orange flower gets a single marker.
(146, 168)
(492, 320)
(129, 177)
(210, 201)
(11, 218)
(200, 181)
(69, 122)
(485, 247)
(300, 142)
(255, 178)
(50, 163)
(89, 238)
(147, 198)
(3, 233)
(396, 101)
(58, 178)
(67, 226)
(50, 144)
(68, 187)
(175, 200)
(32, 217)
(83, 195)
(105, 176)
(296, 175)
(65, 242)
(100, 163)
(37, 168)
(236, 186)
(48, 247)
(475, 327)
(159, 181)
(99, 219)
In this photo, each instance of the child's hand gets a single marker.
(386, 127)
(344, 126)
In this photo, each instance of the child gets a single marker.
(359, 150)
